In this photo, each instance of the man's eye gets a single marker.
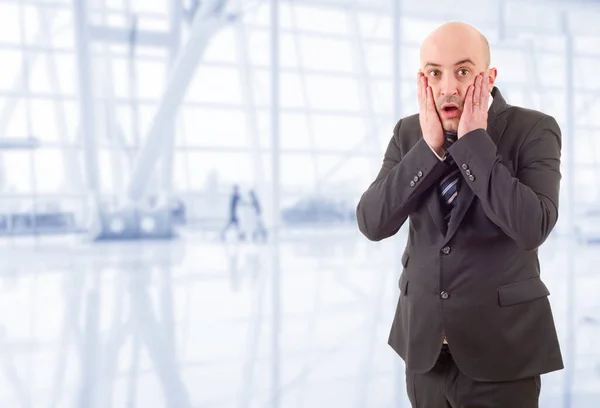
(434, 73)
(463, 72)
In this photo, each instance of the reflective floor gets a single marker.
(192, 323)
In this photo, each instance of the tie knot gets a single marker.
(449, 138)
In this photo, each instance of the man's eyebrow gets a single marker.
(464, 61)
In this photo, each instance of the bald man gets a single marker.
(478, 180)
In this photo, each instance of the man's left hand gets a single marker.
(475, 108)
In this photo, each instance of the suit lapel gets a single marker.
(496, 126)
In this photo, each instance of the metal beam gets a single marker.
(275, 207)
(18, 143)
(120, 157)
(87, 124)
(366, 100)
(168, 152)
(205, 24)
(70, 164)
(246, 71)
(302, 74)
(122, 35)
(569, 134)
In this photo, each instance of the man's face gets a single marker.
(450, 66)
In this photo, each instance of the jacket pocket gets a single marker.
(520, 292)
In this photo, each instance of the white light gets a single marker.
(117, 225)
(148, 224)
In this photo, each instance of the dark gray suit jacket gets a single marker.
(476, 279)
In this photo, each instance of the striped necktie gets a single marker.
(448, 186)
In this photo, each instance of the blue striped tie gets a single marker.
(448, 186)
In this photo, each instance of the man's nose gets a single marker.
(449, 86)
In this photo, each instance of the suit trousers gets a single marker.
(446, 387)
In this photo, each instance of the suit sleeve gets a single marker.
(386, 204)
(525, 207)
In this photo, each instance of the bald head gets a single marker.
(456, 38)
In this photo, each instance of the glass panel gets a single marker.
(154, 23)
(146, 114)
(333, 93)
(382, 96)
(39, 80)
(149, 6)
(378, 58)
(215, 84)
(343, 174)
(63, 31)
(120, 79)
(214, 127)
(44, 127)
(513, 65)
(410, 64)
(11, 68)
(124, 123)
(151, 78)
(343, 134)
(223, 46)
(10, 21)
(315, 19)
(586, 69)
(292, 92)
(67, 73)
(230, 167)
(17, 123)
(49, 165)
(16, 172)
(181, 174)
(297, 129)
(295, 171)
(327, 54)
(375, 26)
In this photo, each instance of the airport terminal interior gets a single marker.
(179, 181)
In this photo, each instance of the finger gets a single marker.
(423, 92)
(419, 87)
(485, 97)
(469, 99)
(430, 103)
(477, 90)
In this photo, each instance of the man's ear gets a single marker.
(492, 74)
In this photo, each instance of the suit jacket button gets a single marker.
(420, 173)
(412, 183)
(464, 166)
(444, 295)
(472, 177)
(415, 179)
(468, 172)
(446, 250)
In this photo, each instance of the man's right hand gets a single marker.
(433, 133)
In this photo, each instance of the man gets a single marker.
(478, 180)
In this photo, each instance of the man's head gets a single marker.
(451, 58)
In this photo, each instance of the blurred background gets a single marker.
(178, 182)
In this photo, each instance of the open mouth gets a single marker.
(450, 110)
(450, 107)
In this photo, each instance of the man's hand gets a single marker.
(475, 109)
(431, 125)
